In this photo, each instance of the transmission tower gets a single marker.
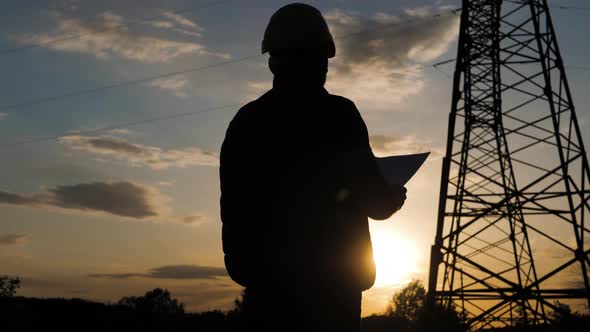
(510, 241)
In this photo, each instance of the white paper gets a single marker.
(398, 170)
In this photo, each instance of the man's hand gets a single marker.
(399, 193)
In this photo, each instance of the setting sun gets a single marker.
(395, 257)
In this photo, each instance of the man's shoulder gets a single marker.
(341, 100)
(249, 115)
(345, 107)
(251, 107)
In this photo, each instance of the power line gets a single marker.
(447, 75)
(169, 74)
(76, 93)
(577, 67)
(112, 27)
(120, 125)
(81, 92)
(556, 6)
(570, 7)
(153, 119)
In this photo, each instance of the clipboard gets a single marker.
(398, 170)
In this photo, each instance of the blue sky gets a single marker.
(166, 170)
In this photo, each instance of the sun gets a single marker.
(395, 257)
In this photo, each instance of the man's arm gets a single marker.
(377, 198)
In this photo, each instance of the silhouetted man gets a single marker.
(298, 181)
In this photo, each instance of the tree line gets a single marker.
(158, 310)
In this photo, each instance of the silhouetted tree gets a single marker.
(565, 319)
(156, 301)
(564, 312)
(235, 316)
(409, 311)
(240, 302)
(406, 303)
(8, 286)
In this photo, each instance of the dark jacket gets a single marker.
(298, 181)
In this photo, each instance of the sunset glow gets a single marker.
(395, 257)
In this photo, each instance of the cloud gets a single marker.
(379, 60)
(177, 85)
(123, 198)
(193, 220)
(178, 23)
(386, 145)
(552, 256)
(140, 155)
(109, 36)
(13, 238)
(171, 272)
(183, 21)
(573, 276)
(255, 89)
(121, 131)
(259, 87)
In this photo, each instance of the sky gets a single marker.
(114, 191)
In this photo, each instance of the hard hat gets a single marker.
(298, 27)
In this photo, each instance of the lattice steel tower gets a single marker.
(514, 196)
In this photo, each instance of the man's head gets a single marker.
(299, 42)
(298, 29)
